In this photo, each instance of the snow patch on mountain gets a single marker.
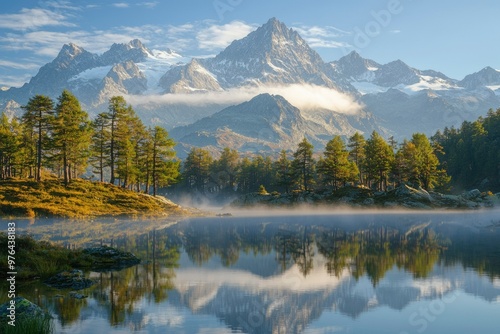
(428, 82)
(155, 65)
(366, 87)
(96, 73)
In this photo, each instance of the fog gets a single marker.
(473, 219)
(302, 96)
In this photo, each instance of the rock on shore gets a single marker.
(403, 196)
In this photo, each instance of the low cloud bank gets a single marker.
(303, 96)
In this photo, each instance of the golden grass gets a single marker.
(49, 198)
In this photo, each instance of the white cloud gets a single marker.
(18, 66)
(34, 18)
(120, 5)
(49, 43)
(184, 28)
(323, 37)
(148, 4)
(302, 96)
(61, 4)
(14, 80)
(220, 36)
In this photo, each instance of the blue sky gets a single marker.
(455, 37)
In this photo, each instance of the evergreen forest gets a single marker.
(59, 138)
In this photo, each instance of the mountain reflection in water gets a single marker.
(295, 274)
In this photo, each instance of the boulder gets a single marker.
(105, 257)
(73, 279)
(24, 309)
(404, 191)
(472, 194)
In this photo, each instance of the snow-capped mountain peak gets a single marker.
(134, 50)
(488, 76)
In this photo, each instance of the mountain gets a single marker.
(134, 51)
(406, 100)
(271, 55)
(354, 67)
(267, 123)
(346, 95)
(486, 77)
(124, 69)
(192, 77)
(363, 73)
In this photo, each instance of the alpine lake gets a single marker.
(270, 272)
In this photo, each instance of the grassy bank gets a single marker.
(41, 258)
(81, 198)
(35, 325)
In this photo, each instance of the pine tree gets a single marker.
(100, 150)
(164, 169)
(225, 169)
(10, 136)
(71, 135)
(357, 144)
(117, 109)
(378, 161)
(38, 119)
(335, 167)
(284, 173)
(304, 165)
(426, 161)
(197, 169)
(244, 176)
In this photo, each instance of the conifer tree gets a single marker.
(335, 167)
(71, 135)
(426, 161)
(116, 110)
(284, 173)
(357, 144)
(100, 149)
(304, 165)
(197, 169)
(378, 161)
(10, 136)
(164, 169)
(37, 118)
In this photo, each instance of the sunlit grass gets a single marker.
(81, 198)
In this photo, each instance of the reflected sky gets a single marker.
(364, 273)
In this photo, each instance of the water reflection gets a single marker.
(279, 274)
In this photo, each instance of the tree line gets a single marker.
(473, 152)
(118, 148)
(372, 162)
(60, 137)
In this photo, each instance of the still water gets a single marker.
(308, 273)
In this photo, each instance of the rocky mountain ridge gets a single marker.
(167, 89)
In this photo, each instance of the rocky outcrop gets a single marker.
(105, 257)
(24, 309)
(403, 196)
(73, 280)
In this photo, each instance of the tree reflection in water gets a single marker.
(369, 251)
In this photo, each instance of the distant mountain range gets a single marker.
(263, 92)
